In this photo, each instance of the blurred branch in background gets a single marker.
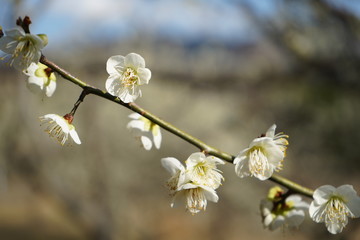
(299, 69)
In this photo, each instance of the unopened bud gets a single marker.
(27, 21)
(1, 32)
(24, 23)
(19, 21)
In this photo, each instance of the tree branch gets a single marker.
(169, 127)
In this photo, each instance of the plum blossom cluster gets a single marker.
(22, 50)
(196, 183)
(126, 73)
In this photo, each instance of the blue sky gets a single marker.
(111, 20)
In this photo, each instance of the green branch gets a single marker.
(169, 127)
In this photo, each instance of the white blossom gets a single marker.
(126, 75)
(334, 206)
(60, 127)
(196, 196)
(202, 170)
(22, 48)
(148, 132)
(263, 156)
(41, 79)
(196, 183)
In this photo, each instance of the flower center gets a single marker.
(205, 173)
(336, 211)
(195, 200)
(129, 78)
(55, 130)
(201, 169)
(25, 47)
(258, 161)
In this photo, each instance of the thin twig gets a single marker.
(297, 188)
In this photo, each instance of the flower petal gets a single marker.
(128, 97)
(316, 211)
(298, 203)
(135, 61)
(295, 218)
(271, 131)
(346, 191)
(172, 165)
(138, 124)
(334, 227)
(194, 159)
(75, 136)
(277, 222)
(210, 194)
(15, 33)
(30, 71)
(37, 81)
(112, 84)
(114, 61)
(134, 116)
(157, 136)
(242, 166)
(146, 142)
(268, 220)
(51, 88)
(322, 194)
(144, 75)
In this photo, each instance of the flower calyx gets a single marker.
(69, 117)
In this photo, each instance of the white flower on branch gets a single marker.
(22, 48)
(148, 132)
(196, 196)
(334, 206)
(277, 211)
(126, 75)
(41, 79)
(264, 155)
(60, 127)
(202, 170)
(196, 183)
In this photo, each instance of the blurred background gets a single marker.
(222, 70)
